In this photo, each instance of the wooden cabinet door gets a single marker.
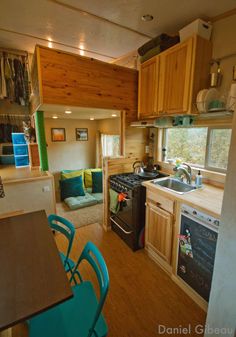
(176, 79)
(148, 88)
(159, 231)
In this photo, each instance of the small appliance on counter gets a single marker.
(129, 219)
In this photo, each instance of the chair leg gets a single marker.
(71, 272)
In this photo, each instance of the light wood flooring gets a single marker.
(141, 295)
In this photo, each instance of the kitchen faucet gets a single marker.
(182, 171)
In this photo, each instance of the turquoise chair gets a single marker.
(66, 228)
(80, 316)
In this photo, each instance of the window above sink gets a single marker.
(202, 147)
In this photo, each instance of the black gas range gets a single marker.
(129, 221)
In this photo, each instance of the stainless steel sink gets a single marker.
(175, 185)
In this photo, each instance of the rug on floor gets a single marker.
(83, 216)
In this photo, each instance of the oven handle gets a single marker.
(120, 226)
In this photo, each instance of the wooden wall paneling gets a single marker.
(75, 80)
(36, 83)
(135, 141)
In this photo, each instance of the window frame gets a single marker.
(207, 156)
(206, 165)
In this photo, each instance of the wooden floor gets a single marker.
(141, 295)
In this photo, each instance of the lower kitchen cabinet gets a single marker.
(158, 235)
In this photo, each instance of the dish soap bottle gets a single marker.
(198, 181)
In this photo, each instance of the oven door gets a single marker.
(124, 231)
(125, 213)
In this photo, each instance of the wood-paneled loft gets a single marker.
(67, 79)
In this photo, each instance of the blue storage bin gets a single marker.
(20, 150)
(18, 138)
(22, 161)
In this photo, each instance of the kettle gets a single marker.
(138, 167)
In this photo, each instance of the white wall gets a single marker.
(109, 126)
(71, 154)
(224, 43)
(28, 196)
(222, 305)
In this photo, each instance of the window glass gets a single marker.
(188, 144)
(219, 143)
(110, 145)
(203, 147)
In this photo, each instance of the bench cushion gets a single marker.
(80, 201)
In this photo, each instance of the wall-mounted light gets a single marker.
(68, 112)
(91, 118)
(114, 115)
(54, 117)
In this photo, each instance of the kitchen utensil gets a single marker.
(200, 100)
(138, 167)
(211, 95)
(148, 175)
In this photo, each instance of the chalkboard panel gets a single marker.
(197, 245)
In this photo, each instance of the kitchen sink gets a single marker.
(175, 185)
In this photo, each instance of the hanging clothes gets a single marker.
(14, 78)
(3, 93)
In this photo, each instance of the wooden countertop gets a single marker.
(208, 198)
(11, 174)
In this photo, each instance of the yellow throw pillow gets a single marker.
(88, 176)
(72, 174)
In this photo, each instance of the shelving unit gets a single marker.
(6, 154)
(20, 149)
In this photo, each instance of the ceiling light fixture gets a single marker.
(50, 42)
(114, 115)
(147, 17)
(91, 118)
(81, 47)
(54, 117)
(68, 111)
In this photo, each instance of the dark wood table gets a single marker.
(32, 276)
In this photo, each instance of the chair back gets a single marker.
(65, 227)
(96, 260)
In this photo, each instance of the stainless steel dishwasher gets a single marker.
(197, 245)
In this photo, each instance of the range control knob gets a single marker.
(217, 222)
(195, 212)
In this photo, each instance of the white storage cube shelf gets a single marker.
(20, 149)
(199, 27)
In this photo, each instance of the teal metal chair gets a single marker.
(80, 316)
(66, 228)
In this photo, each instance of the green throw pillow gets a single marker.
(72, 187)
(88, 176)
(96, 182)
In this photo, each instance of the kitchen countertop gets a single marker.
(207, 198)
(11, 174)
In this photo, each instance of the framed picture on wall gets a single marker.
(81, 134)
(58, 134)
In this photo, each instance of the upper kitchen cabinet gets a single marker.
(183, 72)
(148, 88)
